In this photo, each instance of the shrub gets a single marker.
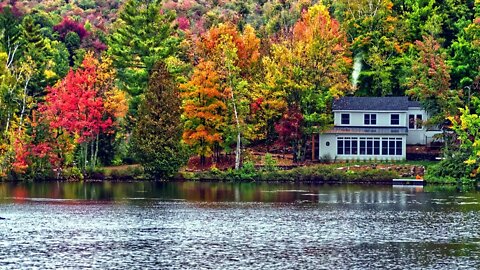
(327, 158)
(270, 163)
(72, 173)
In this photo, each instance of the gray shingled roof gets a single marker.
(413, 103)
(373, 104)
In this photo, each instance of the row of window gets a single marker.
(371, 119)
(369, 146)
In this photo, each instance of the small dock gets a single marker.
(408, 182)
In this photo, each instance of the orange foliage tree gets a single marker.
(204, 109)
(230, 56)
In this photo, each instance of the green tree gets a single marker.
(465, 61)
(377, 41)
(156, 139)
(462, 158)
(35, 49)
(142, 36)
(10, 29)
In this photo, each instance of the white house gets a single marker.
(374, 128)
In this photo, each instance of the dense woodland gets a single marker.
(87, 83)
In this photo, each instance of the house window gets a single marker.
(369, 146)
(340, 146)
(354, 146)
(345, 119)
(411, 121)
(347, 146)
(415, 122)
(370, 119)
(376, 146)
(395, 119)
(385, 146)
(419, 121)
(398, 147)
(392, 146)
(363, 150)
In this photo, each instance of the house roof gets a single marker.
(373, 104)
(414, 104)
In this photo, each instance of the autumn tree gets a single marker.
(115, 106)
(204, 110)
(234, 55)
(430, 81)
(156, 139)
(76, 107)
(311, 68)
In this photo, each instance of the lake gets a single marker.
(187, 225)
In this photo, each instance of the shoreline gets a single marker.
(337, 173)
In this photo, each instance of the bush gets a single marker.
(327, 158)
(72, 173)
(270, 163)
(448, 171)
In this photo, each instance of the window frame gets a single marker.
(348, 118)
(398, 119)
(411, 121)
(370, 146)
(371, 118)
(418, 124)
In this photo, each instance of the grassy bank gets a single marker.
(312, 173)
(344, 172)
(357, 172)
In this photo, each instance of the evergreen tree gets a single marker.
(157, 135)
(143, 36)
(35, 48)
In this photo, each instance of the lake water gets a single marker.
(236, 226)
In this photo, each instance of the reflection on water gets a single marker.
(189, 225)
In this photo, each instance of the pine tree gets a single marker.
(143, 36)
(156, 139)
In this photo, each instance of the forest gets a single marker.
(85, 83)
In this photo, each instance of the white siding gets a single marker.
(383, 118)
(325, 150)
(419, 136)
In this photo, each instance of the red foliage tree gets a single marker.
(75, 106)
(69, 25)
(289, 129)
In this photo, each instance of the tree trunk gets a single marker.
(8, 122)
(95, 157)
(24, 101)
(237, 150)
